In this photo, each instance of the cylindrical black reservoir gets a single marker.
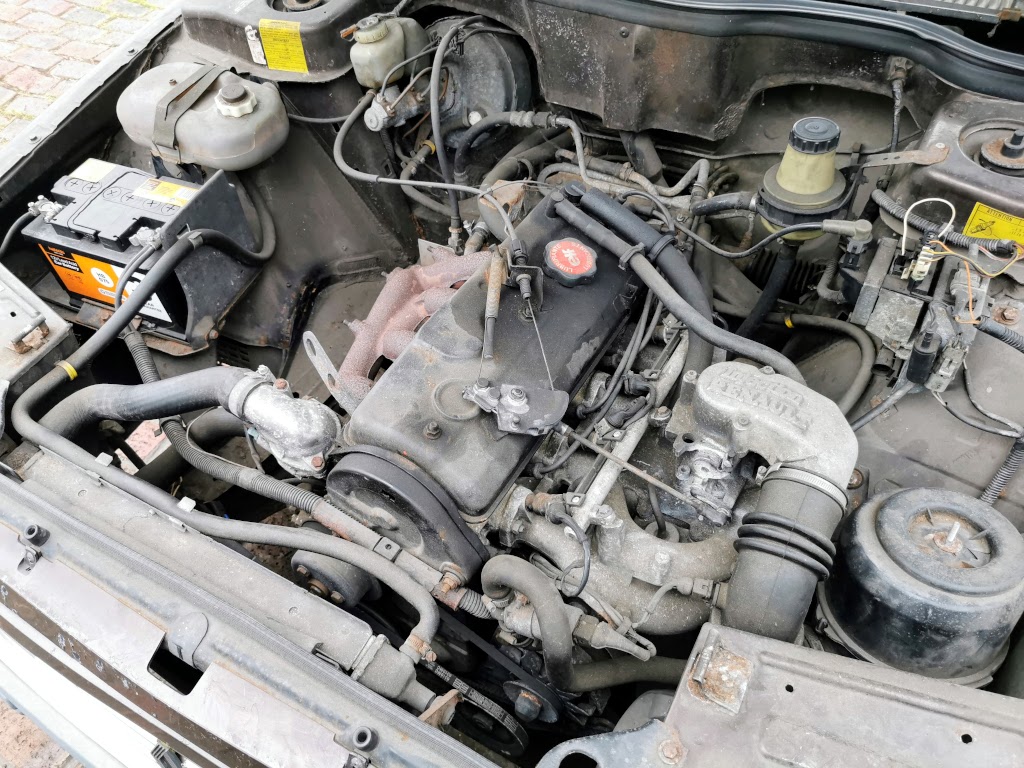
(929, 581)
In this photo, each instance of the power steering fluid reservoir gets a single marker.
(805, 186)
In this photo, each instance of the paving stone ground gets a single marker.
(45, 45)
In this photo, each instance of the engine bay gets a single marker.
(596, 377)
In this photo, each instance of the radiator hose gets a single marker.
(505, 573)
(67, 370)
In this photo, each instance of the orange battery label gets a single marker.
(96, 280)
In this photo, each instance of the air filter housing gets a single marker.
(928, 581)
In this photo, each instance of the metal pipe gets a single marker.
(608, 475)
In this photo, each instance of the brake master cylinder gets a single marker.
(805, 186)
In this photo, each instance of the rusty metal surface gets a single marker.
(750, 701)
(409, 297)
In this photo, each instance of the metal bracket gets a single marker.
(178, 101)
(520, 410)
(930, 156)
(327, 370)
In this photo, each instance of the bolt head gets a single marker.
(528, 706)
(670, 751)
(317, 462)
(856, 480)
(280, 384)
(623, 31)
(432, 431)
(302, 570)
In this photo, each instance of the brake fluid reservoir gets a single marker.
(195, 113)
(381, 45)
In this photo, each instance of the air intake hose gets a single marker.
(784, 547)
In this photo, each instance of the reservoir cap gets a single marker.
(814, 135)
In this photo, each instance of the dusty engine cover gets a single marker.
(463, 467)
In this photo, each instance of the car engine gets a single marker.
(565, 357)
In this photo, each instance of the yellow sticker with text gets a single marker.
(165, 192)
(990, 222)
(282, 45)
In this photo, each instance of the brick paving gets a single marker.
(45, 45)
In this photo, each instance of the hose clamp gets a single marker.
(811, 480)
(245, 387)
(626, 256)
(655, 253)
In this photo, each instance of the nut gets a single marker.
(432, 431)
(1006, 315)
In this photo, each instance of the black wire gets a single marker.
(656, 510)
(973, 422)
(612, 392)
(20, 223)
(808, 227)
(317, 120)
(897, 108)
(559, 518)
(628, 358)
(894, 397)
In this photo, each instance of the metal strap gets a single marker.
(180, 100)
(811, 480)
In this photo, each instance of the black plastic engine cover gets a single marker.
(470, 458)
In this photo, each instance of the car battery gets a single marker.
(102, 214)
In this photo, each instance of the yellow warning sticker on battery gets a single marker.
(989, 222)
(93, 279)
(282, 45)
(165, 192)
(92, 170)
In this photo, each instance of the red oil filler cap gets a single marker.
(570, 262)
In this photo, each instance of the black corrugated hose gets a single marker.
(1005, 473)
(954, 238)
(1001, 332)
